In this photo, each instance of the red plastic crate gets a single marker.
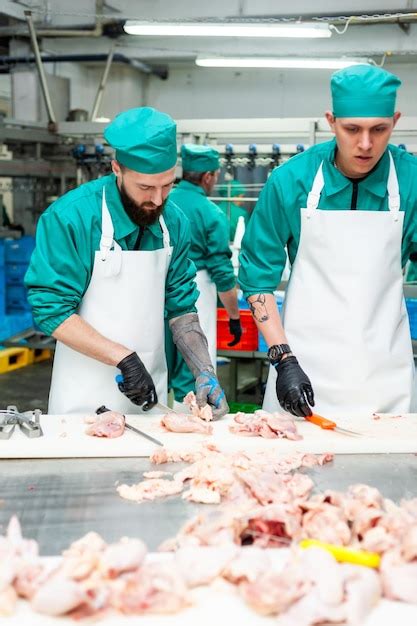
(249, 339)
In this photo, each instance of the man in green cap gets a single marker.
(211, 254)
(111, 261)
(346, 212)
(233, 209)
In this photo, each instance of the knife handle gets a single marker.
(318, 420)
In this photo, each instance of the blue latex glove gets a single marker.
(208, 391)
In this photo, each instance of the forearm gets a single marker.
(82, 337)
(229, 301)
(267, 318)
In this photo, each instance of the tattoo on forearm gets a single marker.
(258, 308)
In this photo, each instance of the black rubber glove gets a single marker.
(235, 329)
(294, 390)
(137, 383)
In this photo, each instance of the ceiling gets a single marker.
(385, 31)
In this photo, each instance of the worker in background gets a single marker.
(233, 209)
(111, 258)
(211, 254)
(346, 211)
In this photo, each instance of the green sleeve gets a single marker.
(263, 254)
(58, 275)
(218, 260)
(180, 290)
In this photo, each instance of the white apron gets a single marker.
(125, 302)
(344, 313)
(207, 311)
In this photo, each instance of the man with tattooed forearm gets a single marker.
(345, 213)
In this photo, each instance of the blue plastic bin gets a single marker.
(15, 273)
(16, 299)
(19, 250)
(411, 305)
(2, 292)
(2, 261)
(12, 324)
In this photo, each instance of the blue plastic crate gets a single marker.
(15, 273)
(19, 250)
(2, 292)
(16, 299)
(2, 261)
(12, 324)
(411, 305)
(241, 301)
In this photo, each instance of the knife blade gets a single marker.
(326, 424)
(165, 408)
(142, 434)
(104, 409)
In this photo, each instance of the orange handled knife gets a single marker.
(326, 424)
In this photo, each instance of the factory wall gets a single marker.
(214, 93)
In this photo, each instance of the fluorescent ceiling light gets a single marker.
(231, 29)
(282, 63)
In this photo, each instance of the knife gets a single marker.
(326, 424)
(103, 409)
(164, 408)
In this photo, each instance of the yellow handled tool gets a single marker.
(343, 554)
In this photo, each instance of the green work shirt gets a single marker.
(275, 223)
(209, 234)
(67, 237)
(232, 212)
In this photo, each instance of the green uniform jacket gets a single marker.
(234, 212)
(210, 251)
(209, 234)
(275, 222)
(67, 236)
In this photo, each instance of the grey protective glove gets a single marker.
(192, 343)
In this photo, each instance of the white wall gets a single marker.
(223, 93)
(124, 88)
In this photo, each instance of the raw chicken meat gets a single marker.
(200, 565)
(182, 423)
(326, 523)
(264, 424)
(109, 424)
(154, 588)
(205, 412)
(58, 596)
(150, 489)
(249, 563)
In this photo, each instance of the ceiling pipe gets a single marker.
(97, 31)
(7, 62)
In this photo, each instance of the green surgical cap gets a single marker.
(196, 158)
(234, 187)
(145, 140)
(364, 91)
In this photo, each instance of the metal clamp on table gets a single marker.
(29, 422)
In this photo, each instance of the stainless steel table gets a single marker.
(58, 501)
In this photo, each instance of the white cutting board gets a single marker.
(217, 604)
(64, 436)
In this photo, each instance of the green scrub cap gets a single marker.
(145, 140)
(234, 186)
(364, 91)
(196, 158)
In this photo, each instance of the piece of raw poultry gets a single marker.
(208, 312)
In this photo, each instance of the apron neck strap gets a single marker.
(165, 232)
(107, 230)
(313, 197)
(392, 187)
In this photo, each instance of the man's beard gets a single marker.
(143, 214)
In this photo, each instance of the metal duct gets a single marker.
(7, 62)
